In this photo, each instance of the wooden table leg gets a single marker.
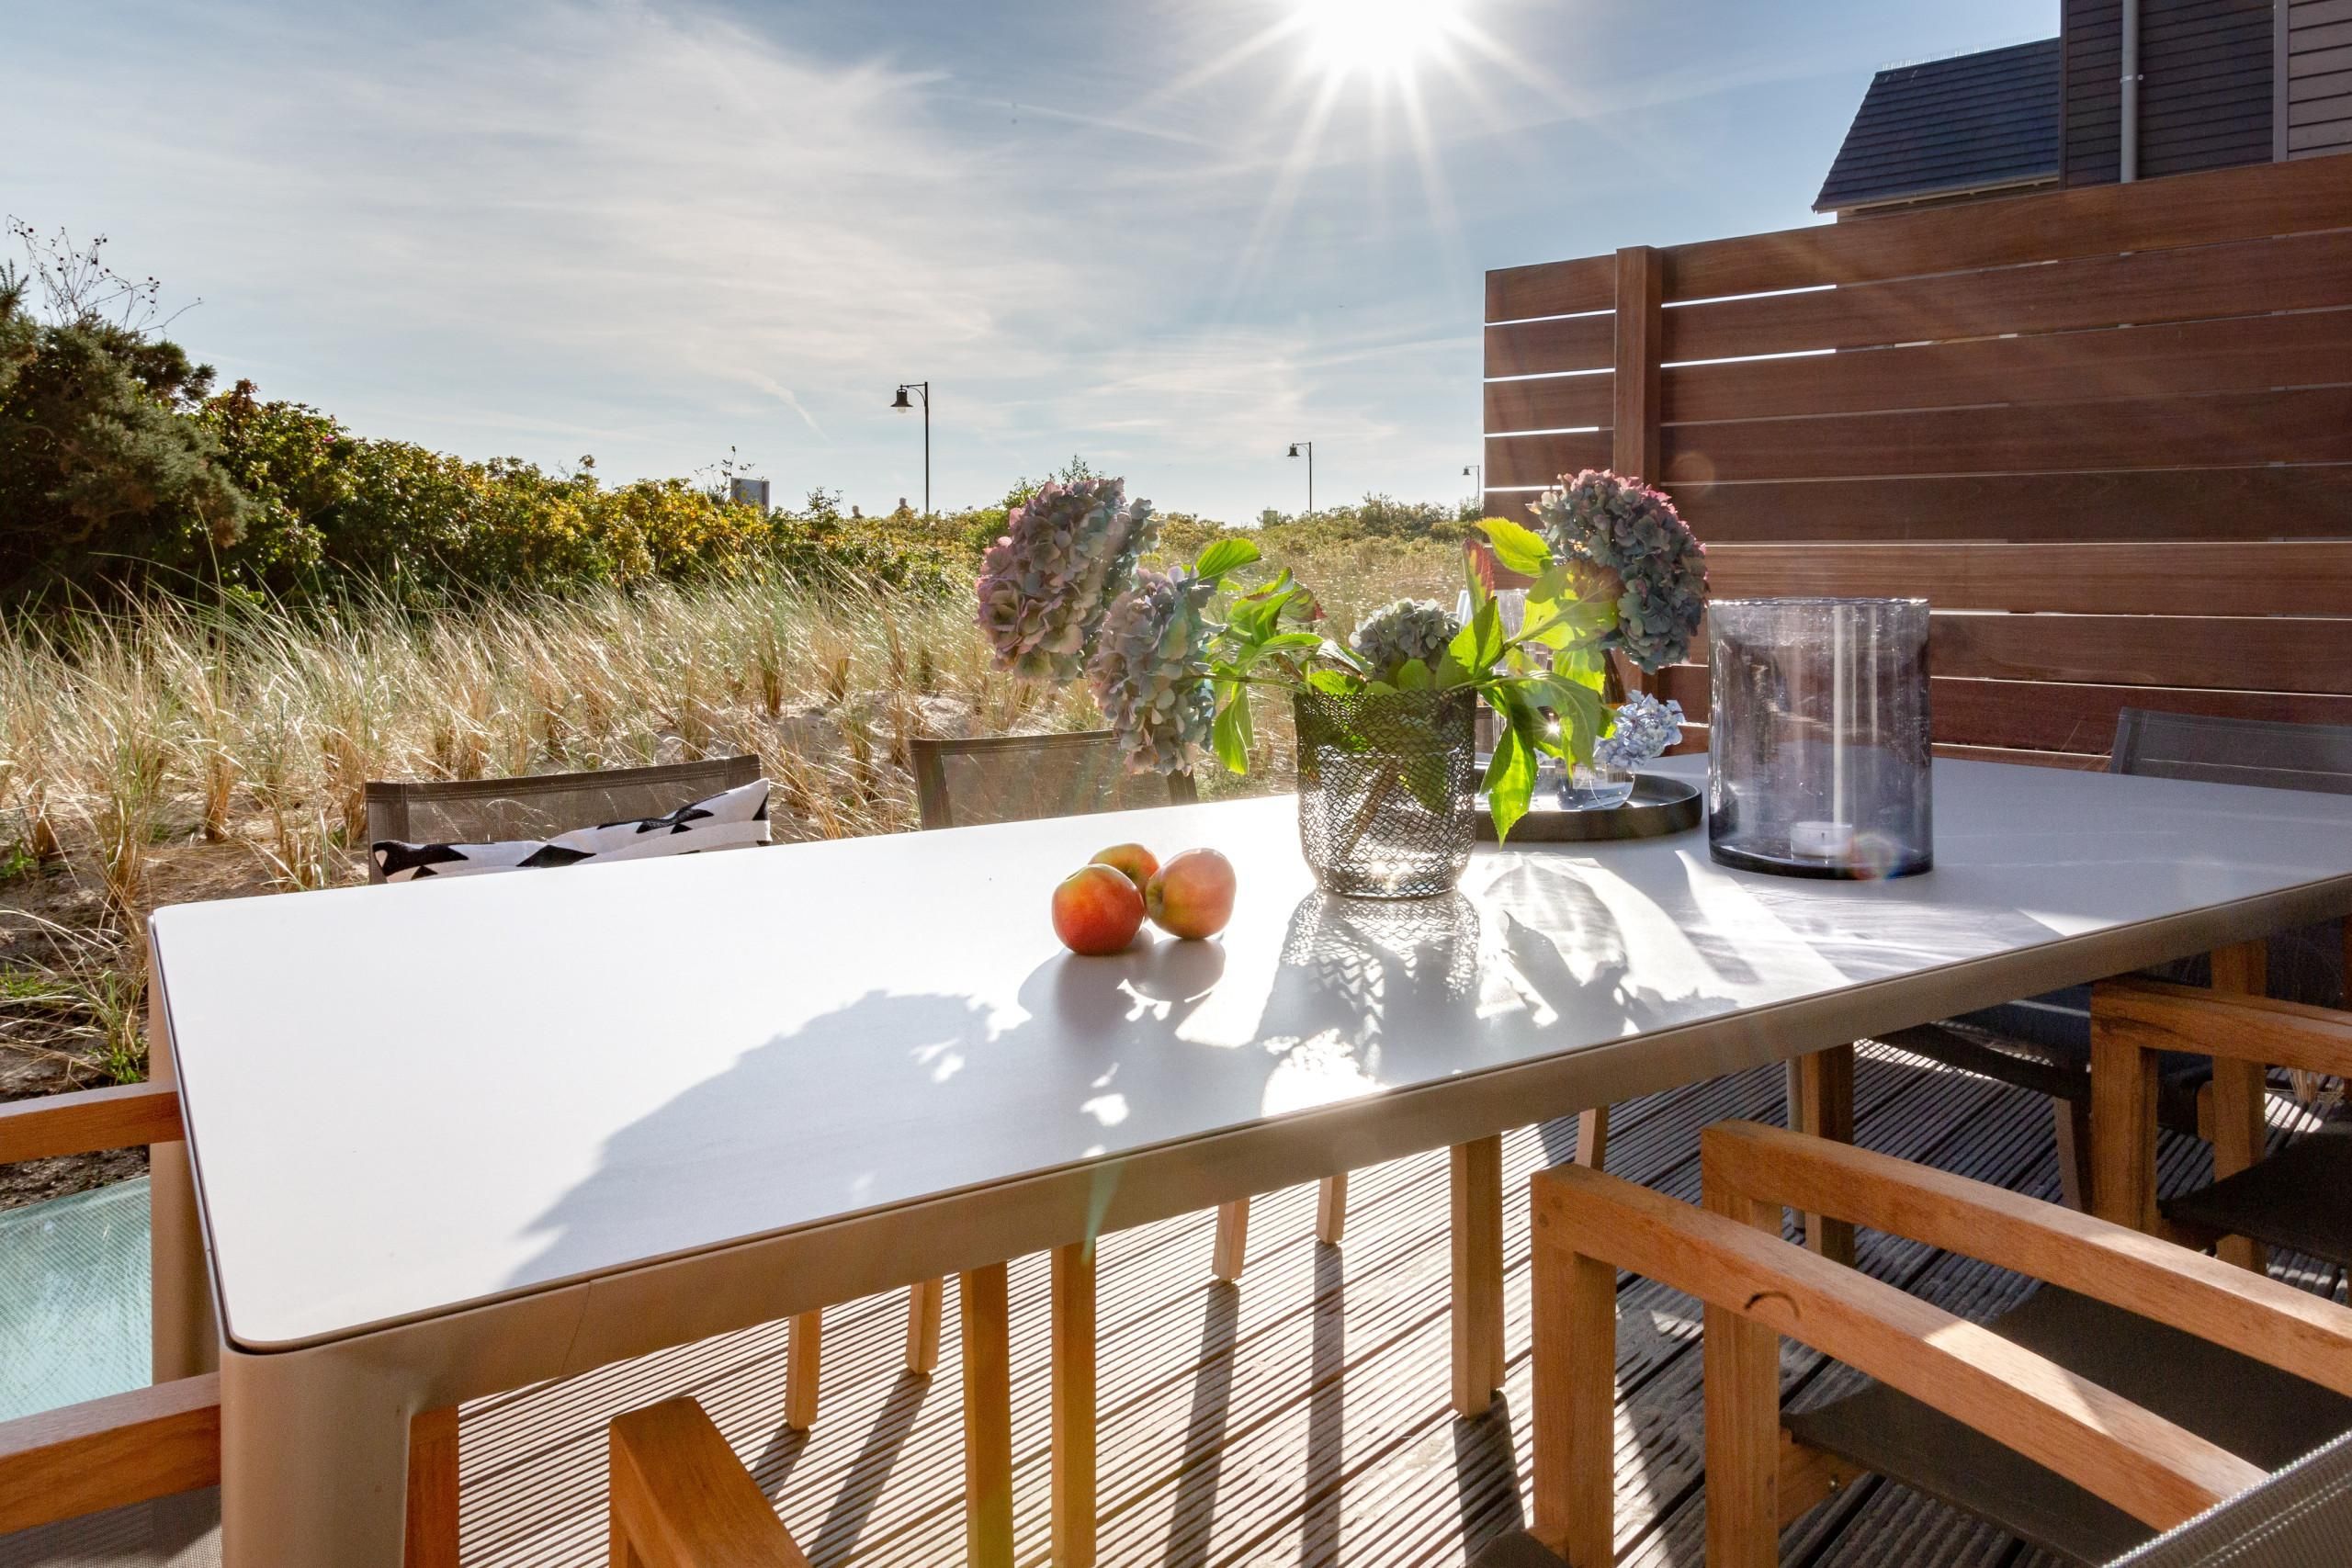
(1478, 1184)
(1592, 1138)
(2241, 1095)
(803, 1353)
(987, 1417)
(1821, 1102)
(1232, 1239)
(1073, 1405)
(1332, 1208)
(924, 1303)
(2124, 1128)
(432, 1490)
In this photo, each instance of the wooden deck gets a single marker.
(1300, 1417)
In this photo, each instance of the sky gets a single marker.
(1172, 236)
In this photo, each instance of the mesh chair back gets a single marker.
(1018, 778)
(481, 811)
(2300, 1518)
(2234, 750)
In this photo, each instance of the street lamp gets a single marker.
(900, 402)
(1309, 447)
(1476, 474)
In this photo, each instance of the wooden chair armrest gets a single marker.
(110, 1452)
(2159, 1016)
(90, 1120)
(680, 1498)
(2291, 1329)
(2152, 1470)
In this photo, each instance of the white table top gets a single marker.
(405, 1099)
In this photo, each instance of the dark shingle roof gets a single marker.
(1951, 124)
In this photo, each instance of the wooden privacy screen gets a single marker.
(2107, 432)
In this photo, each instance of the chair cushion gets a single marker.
(2300, 1198)
(728, 821)
(2264, 1415)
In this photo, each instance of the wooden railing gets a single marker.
(2107, 432)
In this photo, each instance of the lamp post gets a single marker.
(900, 402)
(1309, 447)
(1476, 474)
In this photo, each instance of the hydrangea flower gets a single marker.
(1151, 672)
(1644, 728)
(1046, 586)
(1403, 629)
(1646, 555)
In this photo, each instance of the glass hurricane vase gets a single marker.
(1384, 791)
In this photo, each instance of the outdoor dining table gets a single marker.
(452, 1138)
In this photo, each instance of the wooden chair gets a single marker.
(680, 1499)
(475, 811)
(2300, 1198)
(162, 1440)
(2143, 1384)
(2043, 1043)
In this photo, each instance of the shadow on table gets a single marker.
(1366, 995)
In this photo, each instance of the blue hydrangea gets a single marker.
(1643, 730)
(1646, 555)
(1044, 587)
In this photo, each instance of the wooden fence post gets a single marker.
(1635, 448)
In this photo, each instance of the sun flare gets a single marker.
(1375, 38)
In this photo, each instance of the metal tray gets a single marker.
(1660, 805)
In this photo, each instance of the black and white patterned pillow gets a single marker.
(721, 822)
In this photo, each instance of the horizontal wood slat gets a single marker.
(2186, 210)
(1546, 348)
(110, 1452)
(2306, 271)
(1552, 402)
(2049, 716)
(2311, 424)
(2253, 354)
(2256, 653)
(2148, 505)
(1550, 288)
(2300, 579)
(89, 1121)
(1542, 459)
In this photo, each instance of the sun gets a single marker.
(1375, 38)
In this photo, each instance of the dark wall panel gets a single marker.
(2205, 91)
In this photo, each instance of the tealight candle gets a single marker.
(1822, 841)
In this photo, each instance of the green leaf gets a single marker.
(1225, 554)
(1332, 681)
(1511, 780)
(1518, 549)
(1450, 672)
(1229, 736)
(1378, 689)
(1476, 645)
(1340, 653)
(1414, 676)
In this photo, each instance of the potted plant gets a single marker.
(1384, 717)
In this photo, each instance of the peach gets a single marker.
(1097, 910)
(1138, 862)
(1191, 896)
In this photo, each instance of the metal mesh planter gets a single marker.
(1385, 790)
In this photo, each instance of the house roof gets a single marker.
(1948, 126)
